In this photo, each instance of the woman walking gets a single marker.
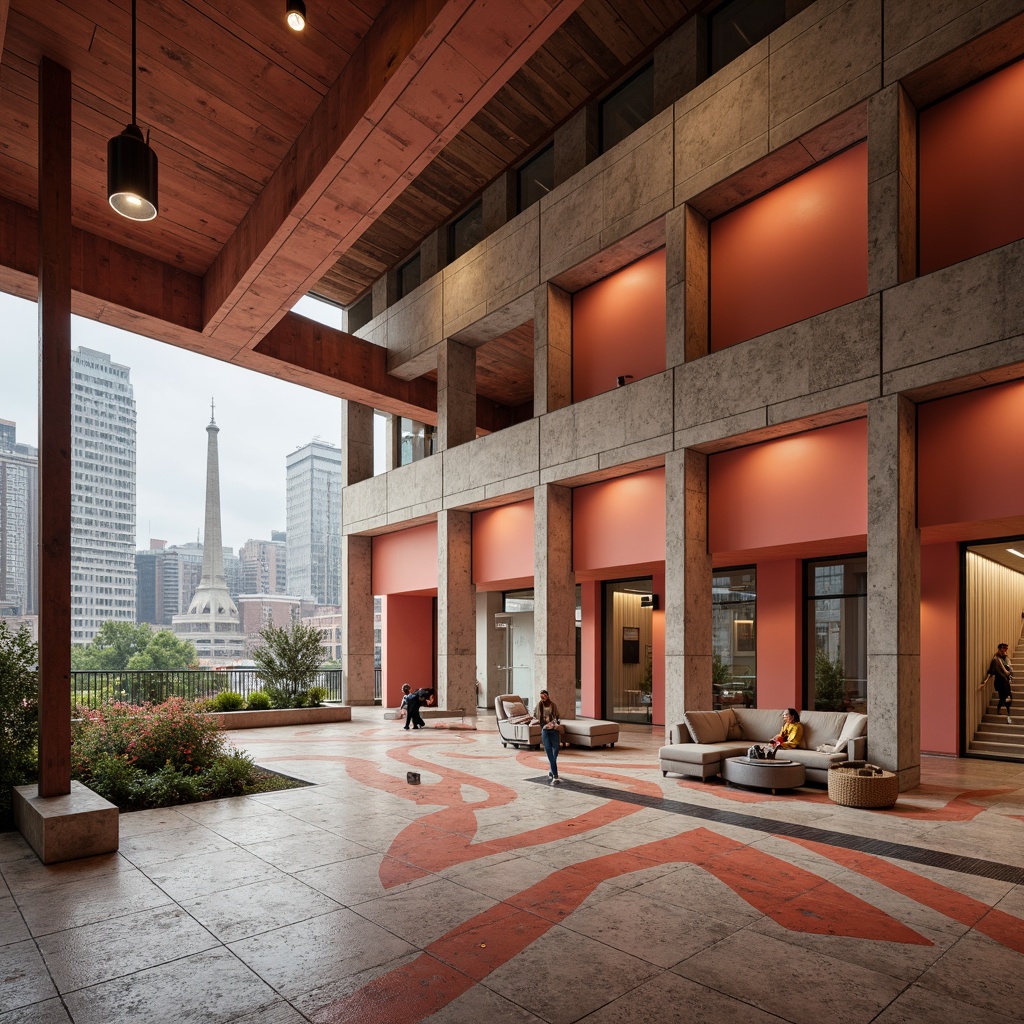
(546, 712)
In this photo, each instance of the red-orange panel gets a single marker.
(503, 544)
(971, 166)
(618, 327)
(619, 522)
(970, 464)
(809, 487)
(405, 562)
(792, 253)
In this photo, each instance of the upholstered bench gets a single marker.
(590, 732)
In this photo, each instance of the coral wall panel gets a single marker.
(618, 327)
(619, 523)
(792, 253)
(503, 545)
(971, 165)
(795, 490)
(940, 648)
(405, 562)
(973, 439)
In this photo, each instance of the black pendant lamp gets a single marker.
(131, 165)
(295, 15)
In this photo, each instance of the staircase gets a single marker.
(994, 737)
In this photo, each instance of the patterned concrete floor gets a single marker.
(487, 895)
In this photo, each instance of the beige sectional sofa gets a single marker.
(704, 739)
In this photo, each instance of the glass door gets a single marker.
(734, 638)
(628, 648)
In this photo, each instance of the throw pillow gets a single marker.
(514, 708)
(827, 748)
(856, 725)
(705, 726)
(732, 725)
(519, 719)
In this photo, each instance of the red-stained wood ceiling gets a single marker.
(293, 162)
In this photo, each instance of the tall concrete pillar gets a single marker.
(894, 590)
(392, 442)
(680, 62)
(357, 619)
(687, 285)
(456, 394)
(576, 143)
(499, 202)
(552, 349)
(491, 653)
(892, 189)
(356, 442)
(554, 597)
(687, 586)
(456, 612)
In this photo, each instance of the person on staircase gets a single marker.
(1002, 673)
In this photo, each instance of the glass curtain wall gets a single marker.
(417, 441)
(734, 638)
(628, 650)
(837, 645)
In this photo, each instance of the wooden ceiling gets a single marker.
(293, 162)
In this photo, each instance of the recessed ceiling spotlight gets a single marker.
(1014, 551)
(296, 15)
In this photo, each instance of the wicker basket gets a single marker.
(847, 787)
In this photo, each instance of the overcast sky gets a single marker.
(261, 421)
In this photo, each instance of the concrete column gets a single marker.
(357, 619)
(892, 189)
(456, 394)
(499, 202)
(384, 292)
(552, 349)
(456, 612)
(687, 286)
(554, 595)
(575, 143)
(356, 442)
(680, 62)
(433, 253)
(687, 586)
(894, 591)
(393, 442)
(490, 648)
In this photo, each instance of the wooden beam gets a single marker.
(5, 10)
(419, 75)
(54, 298)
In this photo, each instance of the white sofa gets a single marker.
(579, 732)
(704, 739)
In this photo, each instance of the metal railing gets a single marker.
(91, 689)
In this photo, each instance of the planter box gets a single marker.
(283, 716)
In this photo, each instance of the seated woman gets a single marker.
(792, 732)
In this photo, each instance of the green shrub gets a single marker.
(317, 695)
(19, 714)
(230, 774)
(116, 779)
(829, 683)
(258, 701)
(288, 662)
(228, 701)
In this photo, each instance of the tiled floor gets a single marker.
(487, 895)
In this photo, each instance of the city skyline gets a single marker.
(173, 389)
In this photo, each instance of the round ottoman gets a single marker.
(848, 787)
(773, 775)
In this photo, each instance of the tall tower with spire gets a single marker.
(211, 622)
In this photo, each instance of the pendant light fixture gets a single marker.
(131, 164)
(295, 15)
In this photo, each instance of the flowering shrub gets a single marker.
(156, 755)
(19, 713)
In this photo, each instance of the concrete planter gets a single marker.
(282, 716)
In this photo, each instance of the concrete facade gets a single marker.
(835, 74)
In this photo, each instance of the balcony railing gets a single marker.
(91, 689)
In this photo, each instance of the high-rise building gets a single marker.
(102, 494)
(167, 580)
(314, 522)
(211, 622)
(19, 497)
(264, 565)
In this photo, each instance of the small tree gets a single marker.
(164, 651)
(288, 663)
(829, 683)
(19, 713)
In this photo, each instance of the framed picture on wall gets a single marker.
(631, 645)
(743, 636)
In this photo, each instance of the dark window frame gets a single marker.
(603, 145)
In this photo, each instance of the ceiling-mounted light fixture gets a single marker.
(132, 165)
(296, 15)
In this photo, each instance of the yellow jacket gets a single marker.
(792, 734)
